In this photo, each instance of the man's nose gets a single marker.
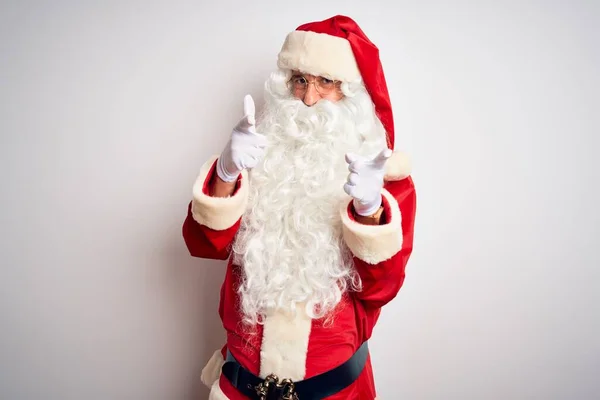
(311, 96)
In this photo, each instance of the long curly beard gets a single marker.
(290, 242)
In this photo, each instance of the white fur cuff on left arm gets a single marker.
(212, 371)
(374, 243)
(218, 213)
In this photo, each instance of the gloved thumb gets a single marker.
(249, 109)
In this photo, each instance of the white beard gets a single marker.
(290, 240)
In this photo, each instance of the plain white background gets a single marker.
(108, 109)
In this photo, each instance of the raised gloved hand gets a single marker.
(245, 147)
(365, 181)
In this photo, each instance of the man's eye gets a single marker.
(326, 81)
(299, 80)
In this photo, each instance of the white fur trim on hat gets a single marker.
(212, 371)
(218, 213)
(319, 54)
(398, 166)
(374, 243)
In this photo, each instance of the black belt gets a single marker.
(317, 387)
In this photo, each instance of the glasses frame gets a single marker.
(336, 84)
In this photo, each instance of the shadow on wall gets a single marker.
(194, 286)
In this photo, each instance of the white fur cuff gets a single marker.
(216, 393)
(212, 371)
(374, 243)
(398, 166)
(319, 54)
(218, 213)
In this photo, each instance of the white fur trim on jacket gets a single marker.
(398, 166)
(319, 54)
(218, 213)
(212, 370)
(374, 243)
(285, 344)
(216, 393)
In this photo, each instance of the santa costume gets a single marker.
(305, 280)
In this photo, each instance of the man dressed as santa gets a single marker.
(315, 213)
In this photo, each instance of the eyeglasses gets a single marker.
(298, 85)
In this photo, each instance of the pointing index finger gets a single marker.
(383, 156)
(350, 158)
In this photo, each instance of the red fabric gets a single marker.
(382, 282)
(355, 316)
(369, 64)
(203, 241)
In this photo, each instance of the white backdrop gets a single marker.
(108, 109)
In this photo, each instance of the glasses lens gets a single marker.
(324, 85)
(298, 83)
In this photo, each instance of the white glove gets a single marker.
(245, 147)
(365, 181)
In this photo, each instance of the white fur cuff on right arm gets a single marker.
(374, 243)
(212, 371)
(218, 213)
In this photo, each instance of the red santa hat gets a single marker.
(337, 48)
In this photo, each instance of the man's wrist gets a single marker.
(373, 219)
(220, 188)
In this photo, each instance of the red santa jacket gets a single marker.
(297, 347)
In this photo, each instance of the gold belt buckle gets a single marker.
(272, 381)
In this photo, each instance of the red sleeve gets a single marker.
(204, 242)
(212, 222)
(381, 252)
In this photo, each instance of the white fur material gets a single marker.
(319, 54)
(218, 213)
(216, 393)
(398, 166)
(285, 344)
(290, 242)
(374, 243)
(212, 370)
